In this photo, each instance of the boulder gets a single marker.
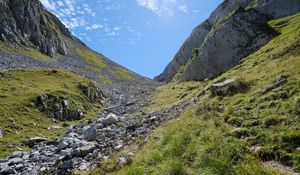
(17, 154)
(85, 150)
(110, 119)
(62, 145)
(14, 161)
(90, 133)
(92, 92)
(228, 87)
(31, 142)
(59, 107)
(279, 81)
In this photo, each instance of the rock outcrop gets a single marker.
(186, 66)
(227, 43)
(28, 23)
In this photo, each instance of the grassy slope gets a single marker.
(18, 115)
(205, 140)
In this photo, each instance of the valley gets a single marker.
(228, 103)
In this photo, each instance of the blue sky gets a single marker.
(142, 35)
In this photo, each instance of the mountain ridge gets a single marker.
(270, 9)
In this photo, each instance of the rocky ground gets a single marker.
(86, 144)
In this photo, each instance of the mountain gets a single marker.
(234, 30)
(32, 37)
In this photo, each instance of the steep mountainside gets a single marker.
(207, 52)
(32, 37)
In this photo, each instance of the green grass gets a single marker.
(95, 60)
(122, 74)
(173, 93)
(219, 135)
(193, 146)
(20, 118)
(23, 51)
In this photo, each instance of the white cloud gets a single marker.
(75, 22)
(49, 5)
(117, 28)
(160, 7)
(183, 8)
(94, 27)
(60, 3)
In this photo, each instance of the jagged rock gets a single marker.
(28, 23)
(228, 87)
(109, 120)
(277, 9)
(33, 141)
(62, 145)
(228, 42)
(90, 133)
(14, 161)
(85, 150)
(280, 80)
(58, 107)
(92, 92)
(16, 154)
(183, 62)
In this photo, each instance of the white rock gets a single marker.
(110, 119)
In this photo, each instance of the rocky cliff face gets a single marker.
(28, 23)
(218, 48)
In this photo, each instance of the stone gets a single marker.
(118, 147)
(31, 142)
(14, 161)
(62, 145)
(279, 81)
(66, 152)
(83, 166)
(90, 133)
(85, 150)
(127, 159)
(54, 127)
(16, 154)
(1, 133)
(110, 119)
(67, 164)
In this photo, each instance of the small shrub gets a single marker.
(176, 168)
(292, 138)
(270, 121)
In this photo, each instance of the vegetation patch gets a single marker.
(122, 74)
(23, 51)
(97, 62)
(19, 116)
